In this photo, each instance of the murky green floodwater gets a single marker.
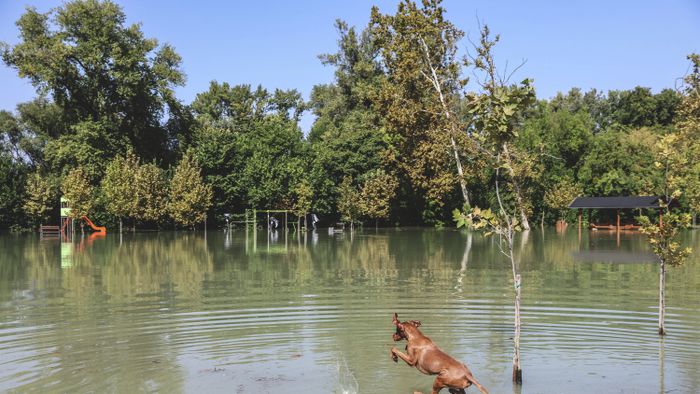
(243, 314)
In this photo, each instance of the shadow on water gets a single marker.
(311, 312)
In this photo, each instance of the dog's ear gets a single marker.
(395, 320)
(416, 323)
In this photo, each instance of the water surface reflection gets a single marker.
(254, 312)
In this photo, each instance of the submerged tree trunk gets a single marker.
(662, 298)
(120, 225)
(517, 370)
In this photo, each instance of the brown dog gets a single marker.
(429, 359)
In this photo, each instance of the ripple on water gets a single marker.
(318, 319)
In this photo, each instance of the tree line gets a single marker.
(408, 130)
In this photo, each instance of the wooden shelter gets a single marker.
(617, 204)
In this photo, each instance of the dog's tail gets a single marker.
(476, 383)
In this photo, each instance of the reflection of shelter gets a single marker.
(616, 204)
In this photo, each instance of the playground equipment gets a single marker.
(273, 219)
(49, 231)
(100, 229)
(68, 224)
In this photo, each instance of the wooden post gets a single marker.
(618, 220)
(580, 217)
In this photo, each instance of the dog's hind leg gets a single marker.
(438, 384)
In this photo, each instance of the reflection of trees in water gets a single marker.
(103, 307)
(99, 305)
(158, 264)
(16, 259)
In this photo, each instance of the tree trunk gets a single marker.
(517, 370)
(516, 188)
(435, 81)
(662, 298)
(542, 220)
(460, 171)
(120, 225)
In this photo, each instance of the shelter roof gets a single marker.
(629, 202)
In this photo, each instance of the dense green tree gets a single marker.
(97, 69)
(76, 188)
(621, 163)
(303, 198)
(119, 186)
(10, 135)
(189, 197)
(151, 193)
(347, 137)
(89, 147)
(639, 107)
(559, 136)
(12, 171)
(41, 197)
(12, 183)
(376, 193)
(683, 146)
(37, 122)
(249, 145)
(419, 97)
(561, 195)
(349, 201)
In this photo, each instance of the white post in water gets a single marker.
(517, 371)
(662, 298)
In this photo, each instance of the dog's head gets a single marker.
(404, 329)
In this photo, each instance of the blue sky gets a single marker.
(589, 44)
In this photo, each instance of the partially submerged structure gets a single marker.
(615, 204)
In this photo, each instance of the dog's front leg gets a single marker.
(411, 361)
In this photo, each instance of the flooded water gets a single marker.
(249, 313)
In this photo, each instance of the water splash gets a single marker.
(347, 383)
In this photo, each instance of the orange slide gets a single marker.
(102, 230)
